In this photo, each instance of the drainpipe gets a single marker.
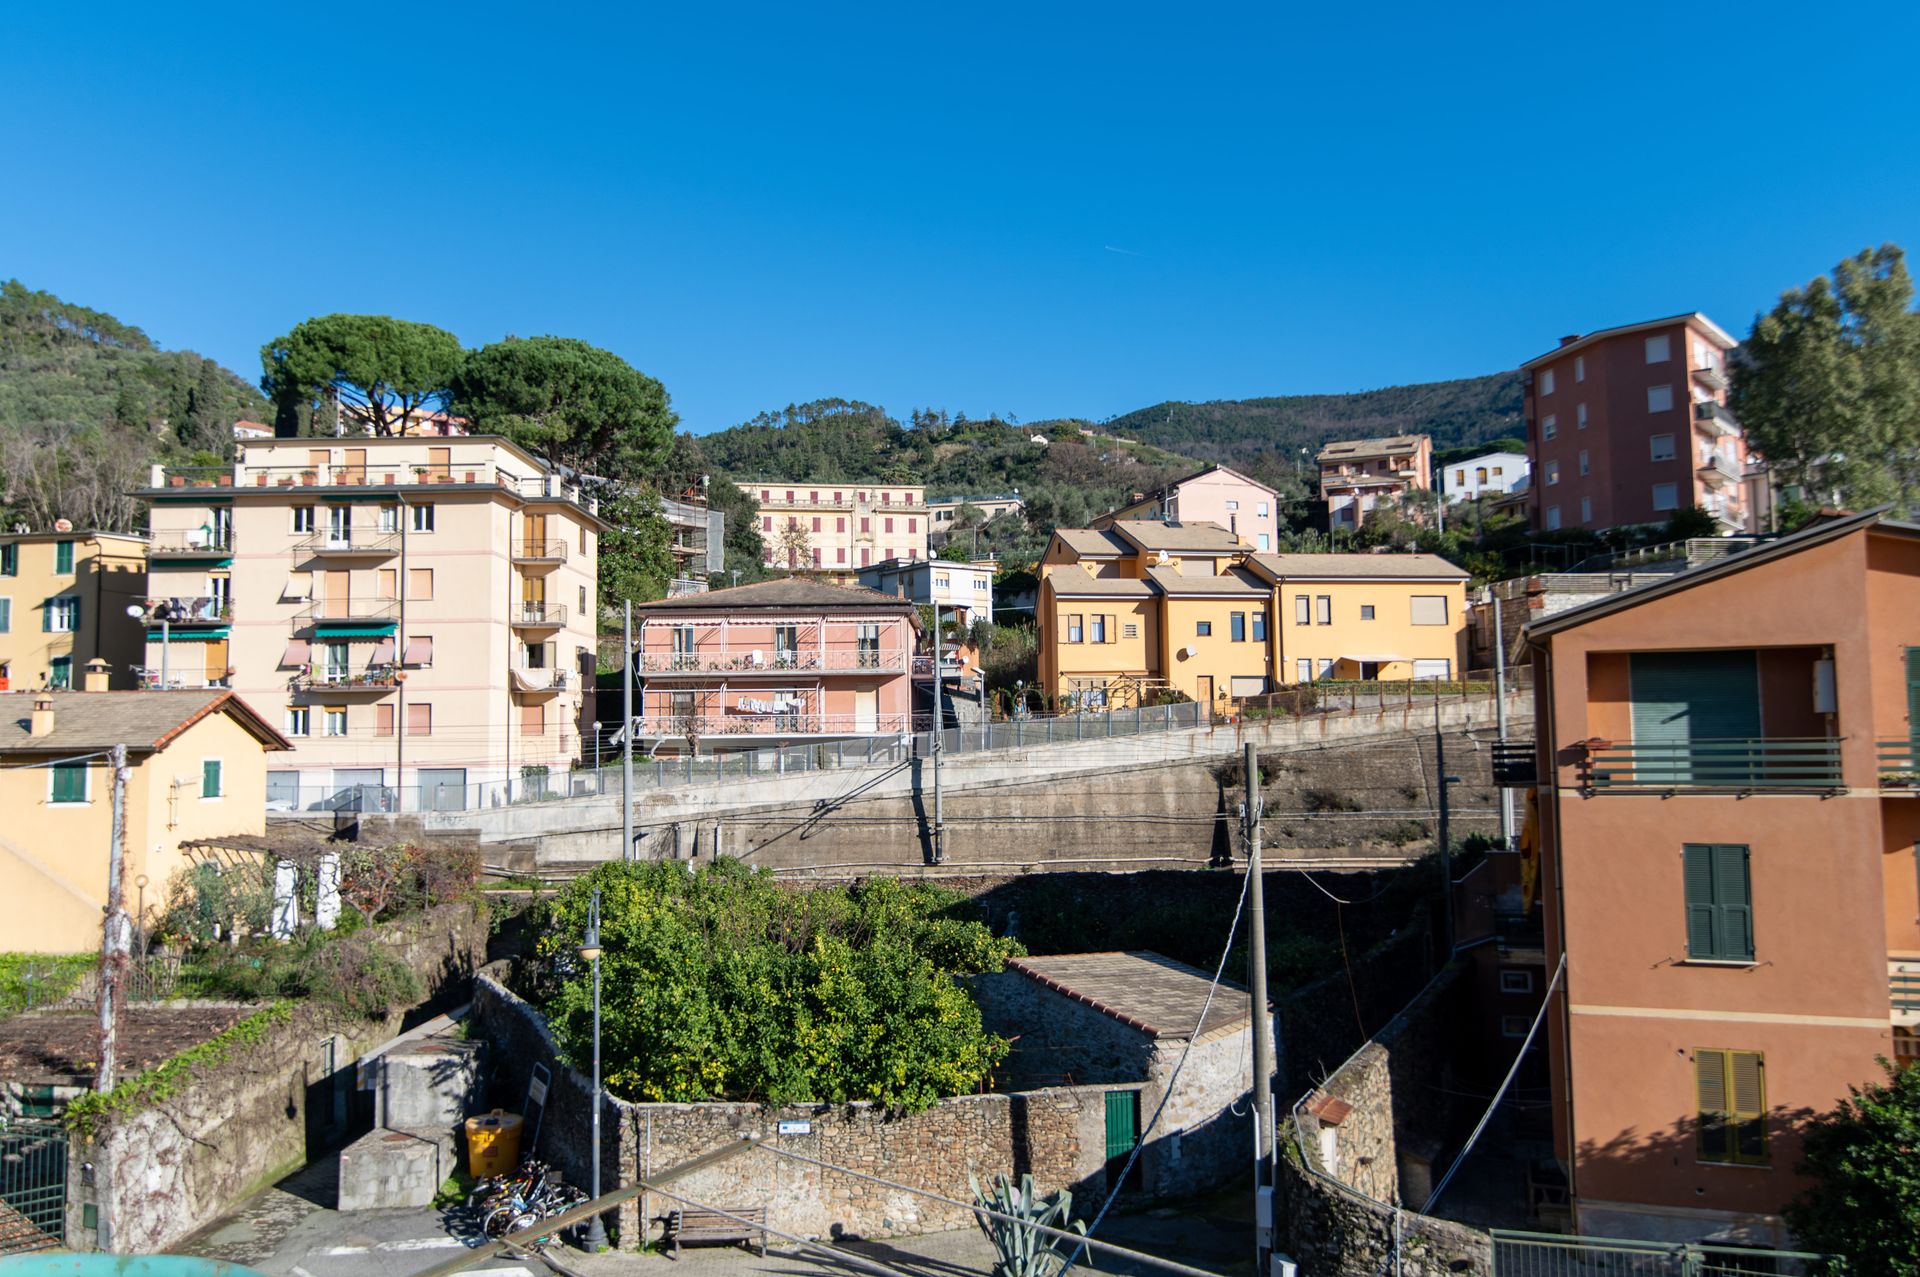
(399, 666)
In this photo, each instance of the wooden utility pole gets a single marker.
(1257, 997)
(115, 938)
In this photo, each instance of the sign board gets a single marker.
(796, 1127)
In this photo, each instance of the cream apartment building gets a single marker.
(63, 602)
(840, 527)
(417, 615)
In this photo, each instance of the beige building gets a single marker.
(63, 602)
(840, 527)
(418, 614)
(1243, 506)
(199, 770)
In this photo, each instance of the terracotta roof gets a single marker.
(1145, 991)
(1198, 537)
(1334, 567)
(1077, 582)
(1719, 336)
(142, 721)
(1330, 1109)
(1232, 581)
(780, 592)
(1091, 541)
(1347, 449)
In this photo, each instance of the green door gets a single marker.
(1123, 1132)
(1681, 699)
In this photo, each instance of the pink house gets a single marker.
(776, 661)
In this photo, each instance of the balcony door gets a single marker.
(339, 526)
(533, 598)
(534, 536)
(1689, 710)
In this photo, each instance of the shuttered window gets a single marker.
(1683, 697)
(69, 783)
(210, 778)
(1719, 891)
(1913, 693)
(1429, 609)
(1323, 609)
(1732, 1090)
(1302, 610)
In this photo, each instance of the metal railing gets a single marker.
(774, 660)
(797, 723)
(151, 679)
(541, 678)
(1718, 467)
(1516, 762)
(549, 551)
(33, 1186)
(1899, 761)
(348, 610)
(1903, 985)
(1519, 1254)
(379, 678)
(375, 472)
(1737, 763)
(870, 505)
(540, 614)
(352, 541)
(189, 611)
(1715, 416)
(195, 543)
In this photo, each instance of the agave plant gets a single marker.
(1023, 1251)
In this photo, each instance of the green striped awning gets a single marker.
(154, 634)
(355, 629)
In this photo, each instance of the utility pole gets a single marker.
(939, 725)
(626, 753)
(1500, 713)
(114, 942)
(1257, 997)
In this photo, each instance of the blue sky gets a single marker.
(1033, 209)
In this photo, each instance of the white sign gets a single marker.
(796, 1127)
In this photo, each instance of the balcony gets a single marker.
(375, 679)
(538, 555)
(374, 473)
(152, 679)
(1738, 765)
(539, 680)
(351, 543)
(1714, 418)
(188, 613)
(1711, 378)
(738, 726)
(363, 612)
(1903, 991)
(1717, 472)
(1899, 765)
(539, 616)
(196, 543)
(833, 659)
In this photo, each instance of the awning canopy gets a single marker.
(190, 636)
(298, 652)
(355, 629)
(420, 650)
(1374, 660)
(382, 652)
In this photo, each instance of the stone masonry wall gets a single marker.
(1056, 1041)
(164, 1171)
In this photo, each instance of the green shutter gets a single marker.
(70, 782)
(63, 556)
(1913, 695)
(73, 614)
(1719, 901)
(46, 617)
(60, 673)
(1680, 697)
(1123, 1122)
(10, 560)
(1700, 910)
(210, 778)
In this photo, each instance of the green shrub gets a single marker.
(35, 979)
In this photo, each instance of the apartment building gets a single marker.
(1217, 495)
(1491, 474)
(840, 527)
(1357, 473)
(198, 765)
(942, 513)
(772, 663)
(1728, 818)
(418, 613)
(1142, 608)
(63, 602)
(962, 590)
(1628, 424)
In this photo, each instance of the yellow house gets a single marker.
(199, 770)
(1139, 609)
(63, 601)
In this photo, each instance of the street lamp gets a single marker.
(164, 615)
(590, 950)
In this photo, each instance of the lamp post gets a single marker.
(590, 950)
(165, 617)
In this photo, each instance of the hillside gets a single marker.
(1241, 432)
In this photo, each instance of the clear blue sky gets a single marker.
(1032, 209)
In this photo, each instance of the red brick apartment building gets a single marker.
(1728, 819)
(1628, 424)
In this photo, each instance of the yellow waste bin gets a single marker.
(493, 1143)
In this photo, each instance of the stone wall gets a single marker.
(166, 1170)
(1056, 1041)
(1332, 1231)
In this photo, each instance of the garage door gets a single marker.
(1432, 669)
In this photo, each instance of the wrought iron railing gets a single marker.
(540, 614)
(1903, 986)
(1899, 763)
(348, 610)
(1736, 763)
(550, 551)
(376, 678)
(836, 657)
(1516, 762)
(196, 543)
(352, 541)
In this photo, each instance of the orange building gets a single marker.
(1728, 816)
(1355, 473)
(775, 662)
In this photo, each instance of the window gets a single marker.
(60, 672)
(1073, 627)
(1732, 1091)
(68, 784)
(1237, 627)
(1585, 468)
(383, 720)
(1303, 670)
(1546, 381)
(1719, 895)
(1098, 632)
(389, 518)
(1460, 478)
(814, 496)
(1579, 367)
(816, 556)
(1659, 349)
(766, 495)
(1323, 609)
(333, 720)
(1516, 980)
(1260, 626)
(1659, 398)
(766, 523)
(887, 528)
(1302, 610)
(1666, 496)
(1553, 472)
(1553, 517)
(1233, 505)
(1266, 542)
(913, 525)
(6, 616)
(1203, 629)
(1580, 416)
(422, 518)
(836, 496)
(419, 718)
(63, 557)
(10, 560)
(816, 523)
(62, 615)
(1660, 448)
(210, 778)
(1261, 510)
(1326, 667)
(299, 720)
(839, 525)
(1429, 609)
(1549, 426)
(866, 525)
(1366, 611)
(533, 719)
(1586, 509)
(420, 583)
(303, 518)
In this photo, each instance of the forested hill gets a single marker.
(1241, 432)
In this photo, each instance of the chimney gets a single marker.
(1569, 339)
(40, 722)
(95, 679)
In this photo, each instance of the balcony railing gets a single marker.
(825, 502)
(1712, 378)
(533, 616)
(1516, 763)
(348, 610)
(375, 472)
(540, 679)
(1714, 418)
(1899, 763)
(671, 726)
(188, 612)
(1717, 470)
(835, 659)
(152, 680)
(375, 678)
(1736, 764)
(1903, 984)
(353, 541)
(554, 551)
(197, 543)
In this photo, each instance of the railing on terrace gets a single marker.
(774, 660)
(1518, 1254)
(824, 502)
(175, 680)
(1903, 985)
(195, 543)
(190, 611)
(678, 727)
(1899, 763)
(540, 614)
(351, 541)
(540, 678)
(374, 473)
(1736, 763)
(551, 551)
(1353, 696)
(379, 678)
(348, 610)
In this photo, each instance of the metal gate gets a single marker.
(33, 1187)
(1517, 1254)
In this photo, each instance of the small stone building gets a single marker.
(1123, 1021)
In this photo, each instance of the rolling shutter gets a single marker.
(1681, 697)
(1429, 609)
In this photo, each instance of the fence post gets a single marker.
(1137, 711)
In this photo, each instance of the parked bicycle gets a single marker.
(531, 1192)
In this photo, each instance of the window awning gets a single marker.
(298, 652)
(356, 630)
(1374, 659)
(382, 652)
(190, 636)
(420, 650)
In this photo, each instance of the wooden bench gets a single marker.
(709, 1226)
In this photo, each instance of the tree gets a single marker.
(575, 404)
(1864, 1160)
(395, 366)
(636, 550)
(205, 428)
(793, 546)
(1828, 383)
